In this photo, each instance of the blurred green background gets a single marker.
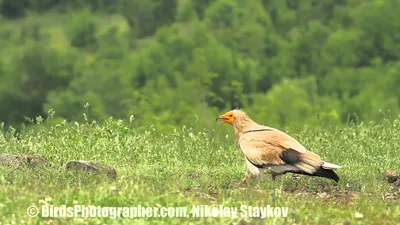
(183, 62)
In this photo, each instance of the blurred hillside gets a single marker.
(183, 62)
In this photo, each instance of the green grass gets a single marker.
(181, 168)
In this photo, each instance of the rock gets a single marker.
(394, 195)
(358, 215)
(91, 167)
(391, 176)
(18, 160)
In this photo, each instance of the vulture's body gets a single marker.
(268, 148)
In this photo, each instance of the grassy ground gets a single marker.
(184, 169)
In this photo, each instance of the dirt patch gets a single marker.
(392, 177)
(19, 160)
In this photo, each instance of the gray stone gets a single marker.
(91, 167)
(391, 176)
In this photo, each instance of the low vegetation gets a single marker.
(185, 168)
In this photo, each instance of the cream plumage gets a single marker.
(268, 148)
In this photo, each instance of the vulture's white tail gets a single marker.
(330, 166)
